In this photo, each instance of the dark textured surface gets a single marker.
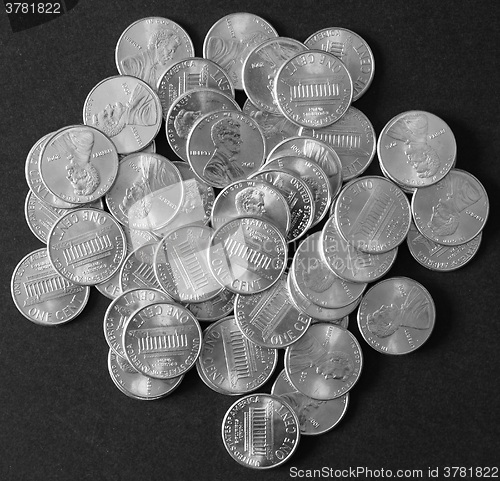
(62, 418)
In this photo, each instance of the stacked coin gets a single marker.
(186, 242)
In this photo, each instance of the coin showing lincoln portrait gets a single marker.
(250, 201)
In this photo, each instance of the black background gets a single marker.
(62, 418)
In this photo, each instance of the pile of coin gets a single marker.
(266, 214)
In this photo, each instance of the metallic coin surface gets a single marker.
(231, 39)
(126, 109)
(416, 148)
(349, 263)
(137, 238)
(111, 288)
(352, 137)
(224, 147)
(220, 306)
(439, 257)
(136, 385)
(137, 270)
(150, 46)
(86, 246)
(269, 318)
(251, 198)
(120, 310)
(248, 255)
(260, 431)
(343, 322)
(452, 211)
(298, 196)
(181, 264)
(352, 50)
(230, 363)
(325, 363)
(42, 295)
(317, 282)
(187, 109)
(315, 417)
(148, 192)
(262, 65)
(314, 176)
(162, 340)
(191, 74)
(396, 315)
(78, 164)
(372, 214)
(313, 89)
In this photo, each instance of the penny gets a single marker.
(86, 246)
(220, 306)
(269, 318)
(251, 198)
(42, 295)
(224, 147)
(372, 214)
(325, 363)
(191, 74)
(313, 89)
(162, 340)
(352, 50)
(453, 211)
(126, 109)
(120, 310)
(260, 431)
(181, 264)
(262, 65)
(230, 40)
(188, 108)
(396, 316)
(231, 364)
(111, 288)
(137, 270)
(150, 46)
(315, 417)
(439, 257)
(352, 137)
(78, 164)
(342, 322)
(138, 237)
(248, 255)
(416, 149)
(136, 385)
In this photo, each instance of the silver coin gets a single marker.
(343, 322)
(137, 270)
(120, 310)
(187, 109)
(162, 340)
(248, 255)
(181, 264)
(298, 196)
(138, 237)
(325, 363)
(224, 147)
(313, 89)
(317, 282)
(315, 417)
(78, 164)
(220, 306)
(269, 318)
(372, 214)
(260, 431)
(452, 211)
(439, 257)
(352, 50)
(136, 385)
(230, 40)
(126, 109)
(416, 149)
(191, 74)
(148, 192)
(150, 46)
(251, 198)
(86, 246)
(262, 65)
(352, 137)
(349, 263)
(231, 364)
(396, 316)
(111, 288)
(42, 295)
